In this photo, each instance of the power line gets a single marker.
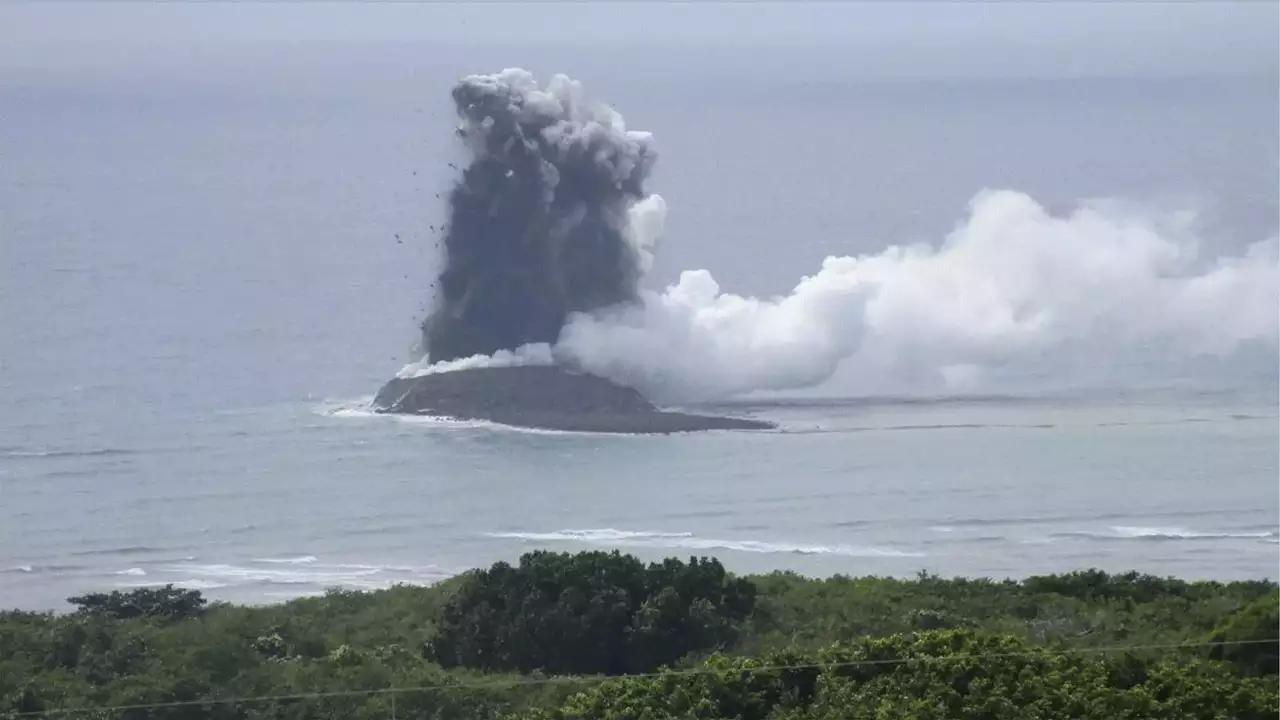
(574, 680)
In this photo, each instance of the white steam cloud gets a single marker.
(531, 354)
(551, 230)
(1011, 284)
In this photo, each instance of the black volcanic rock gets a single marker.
(542, 397)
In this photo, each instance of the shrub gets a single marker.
(592, 612)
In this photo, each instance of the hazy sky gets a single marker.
(904, 38)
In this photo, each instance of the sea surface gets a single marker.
(207, 272)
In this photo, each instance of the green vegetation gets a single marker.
(593, 612)
(541, 640)
(936, 675)
(1258, 620)
(166, 602)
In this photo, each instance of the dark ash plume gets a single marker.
(538, 221)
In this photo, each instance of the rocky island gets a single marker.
(543, 397)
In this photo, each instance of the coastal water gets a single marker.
(272, 501)
(205, 275)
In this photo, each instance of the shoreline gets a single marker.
(242, 595)
(280, 599)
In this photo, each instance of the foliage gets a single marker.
(936, 675)
(1253, 632)
(596, 614)
(164, 602)
(593, 612)
(1088, 608)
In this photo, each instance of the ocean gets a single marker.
(210, 267)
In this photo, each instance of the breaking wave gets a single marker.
(690, 541)
(305, 570)
(1125, 532)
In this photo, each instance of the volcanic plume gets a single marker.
(538, 223)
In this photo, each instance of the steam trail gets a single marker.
(1014, 285)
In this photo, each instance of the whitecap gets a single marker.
(299, 560)
(308, 572)
(601, 535)
(689, 541)
(1134, 532)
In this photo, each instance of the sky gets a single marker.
(912, 39)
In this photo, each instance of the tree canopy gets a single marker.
(164, 602)
(561, 637)
(593, 612)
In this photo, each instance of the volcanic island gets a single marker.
(544, 397)
(540, 228)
